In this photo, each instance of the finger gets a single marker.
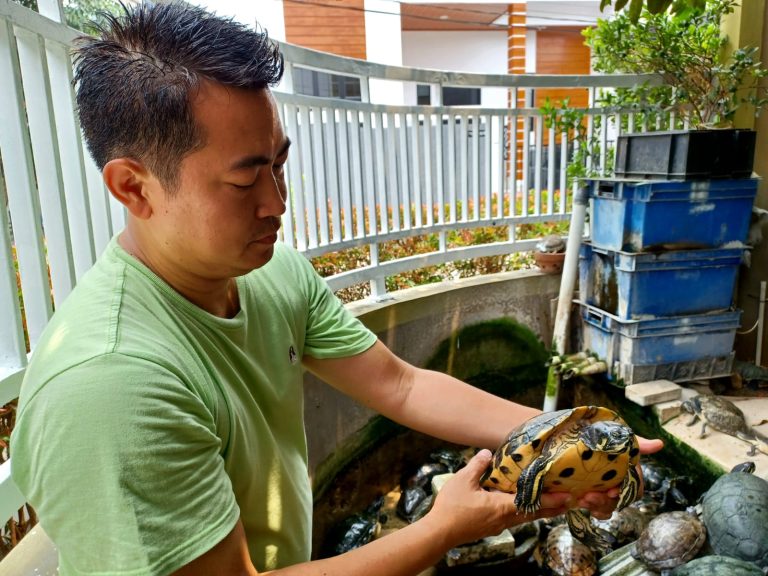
(477, 465)
(649, 446)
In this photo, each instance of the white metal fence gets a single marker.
(359, 173)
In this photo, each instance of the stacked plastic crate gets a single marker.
(657, 279)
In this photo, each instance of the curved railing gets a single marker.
(359, 173)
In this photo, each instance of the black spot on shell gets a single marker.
(517, 457)
(609, 475)
(634, 452)
(535, 443)
(494, 480)
(504, 470)
(587, 454)
(612, 457)
(567, 472)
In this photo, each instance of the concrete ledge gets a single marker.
(721, 448)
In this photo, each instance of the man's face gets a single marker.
(223, 218)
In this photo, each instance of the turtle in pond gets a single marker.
(358, 529)
(564, 555)
(715, 565)
(735, 512)
(579, 450)
(661, 483)
(670, 540)
(725, 416)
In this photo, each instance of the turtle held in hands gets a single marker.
(725, 416)
(579, 450)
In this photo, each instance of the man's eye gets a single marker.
(244, 186)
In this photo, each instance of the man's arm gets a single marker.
(462, 512)
(424, 400)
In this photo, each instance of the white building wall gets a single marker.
(481, 52)
(383, 45)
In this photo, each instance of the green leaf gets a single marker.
(604, 3)
(620, 4)
(658, 6)
(634, 10)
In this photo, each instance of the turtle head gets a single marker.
(607, 436)
(692, 405)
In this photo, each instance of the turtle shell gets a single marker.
(669, 540)
(564, 555)
(735, 512)
(717, 566)
(583, 449)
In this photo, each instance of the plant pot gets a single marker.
(686, 154)
(549, 262)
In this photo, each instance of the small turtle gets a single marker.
(661, 484)
(416, 490)
(551, 244)
(564, 555)
(717, 566)
(358, 529)
(735, 512)
(725, 416)
(669, 540)
(627, 524)
(579, 450)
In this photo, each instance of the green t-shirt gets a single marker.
(147, 426)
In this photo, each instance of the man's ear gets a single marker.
(131, 184)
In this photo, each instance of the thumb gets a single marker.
(478, 464)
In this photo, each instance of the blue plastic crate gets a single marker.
(643, 285)
(647, 215)
(631, 348)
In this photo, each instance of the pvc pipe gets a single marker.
(760, 317)
(567, 284)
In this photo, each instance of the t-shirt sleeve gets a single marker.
(142, 488)
(332, 331)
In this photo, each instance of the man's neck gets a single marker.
(218, 297)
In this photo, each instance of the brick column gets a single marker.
(516, 32)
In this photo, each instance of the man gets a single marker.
(160, 425)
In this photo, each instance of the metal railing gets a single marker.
(359, 174)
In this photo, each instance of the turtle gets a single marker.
(661, 484)
(358, 529)
(725, 416)
(671, 539)
(715, 565)
(564, 555)
(735, 512)
(627, 524)
(577, 450)
(551, 244)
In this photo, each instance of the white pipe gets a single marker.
(567, 284)
(760, 317)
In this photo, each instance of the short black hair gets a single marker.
(136, 79)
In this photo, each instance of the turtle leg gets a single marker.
(594, 538)
(530, 484)
(693, 419)
(703, 429)
(629, 488)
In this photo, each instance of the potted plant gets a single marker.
(549, 254)
(702, 83)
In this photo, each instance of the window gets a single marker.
(325, 85)
(423, 95)
(461, 96)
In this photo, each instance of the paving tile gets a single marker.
(648, 393)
